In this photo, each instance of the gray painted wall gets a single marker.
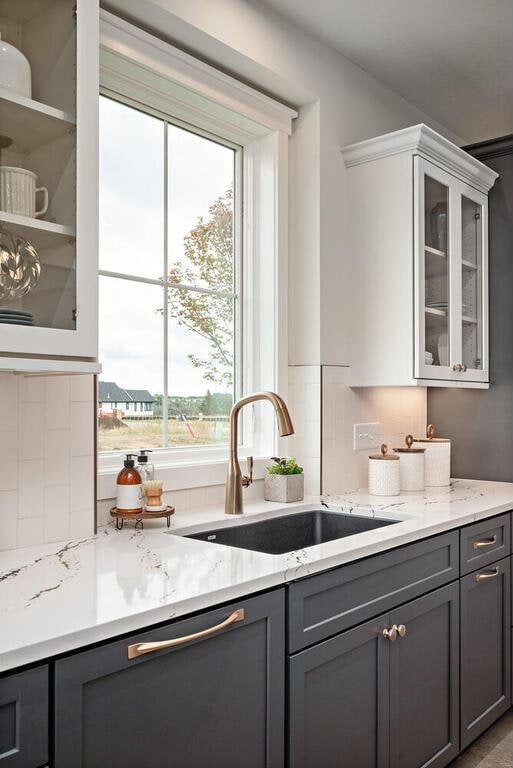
(480, 422)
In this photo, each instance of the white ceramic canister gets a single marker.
(384, 476)
(14, 70)
(437, 458)
(18, 192)
(411, 466)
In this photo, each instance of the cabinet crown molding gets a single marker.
(424, 141)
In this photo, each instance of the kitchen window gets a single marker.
(169, 318)
(193, 259)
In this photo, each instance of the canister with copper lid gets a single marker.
(411, 466)
(438, 458)
(384, 477)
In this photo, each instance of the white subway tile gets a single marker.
(8, 474)
(82, 524)
(82, 429)
(30, 531)
(32, 389)
(31, 488)
(82, 389)
(8, 519)
(57, 402)
(82, 483)
(57, 513)
(9, 386)
(32, 430)
(57, 457)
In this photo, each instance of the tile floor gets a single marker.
(493, 750)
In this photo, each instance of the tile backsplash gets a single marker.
(47, 466)
(399, 411)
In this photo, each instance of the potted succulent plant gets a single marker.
(284, 481)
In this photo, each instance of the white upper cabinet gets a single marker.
(52, 132)
(419, 277)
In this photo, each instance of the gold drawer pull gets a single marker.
(486, 542)
(138, 649)
(489, 575)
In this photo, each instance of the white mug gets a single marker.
(18, 192)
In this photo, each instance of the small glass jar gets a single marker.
(145, 468)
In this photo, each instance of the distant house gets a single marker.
(136, 403)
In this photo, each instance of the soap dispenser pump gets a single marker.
(144, 466)
(129, 487)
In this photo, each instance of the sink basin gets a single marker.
(290, 532)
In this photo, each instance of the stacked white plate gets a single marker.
(16, 317)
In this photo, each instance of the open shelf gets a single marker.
(40, 366)
(47, 233)
(468, 265)
(30, 123)
(469, 320)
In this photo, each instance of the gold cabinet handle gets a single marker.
(486, 543)
(488, 575)
(390, 634)
(401, 630)
(139, 649)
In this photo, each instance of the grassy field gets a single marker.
(148, 434)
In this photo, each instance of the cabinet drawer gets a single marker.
(329, 603)
(24, 719)
(214, 698)
(483, 543)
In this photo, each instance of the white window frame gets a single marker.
(148, 73)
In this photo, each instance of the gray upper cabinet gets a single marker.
(24, 719)
(212, 702)
(424, 681)
(485, 648)
(338, 703)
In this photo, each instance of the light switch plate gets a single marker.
(366, 436)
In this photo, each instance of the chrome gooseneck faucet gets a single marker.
(235, 480)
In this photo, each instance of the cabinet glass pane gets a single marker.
(38, 176)
(436, 270)
(471, 283)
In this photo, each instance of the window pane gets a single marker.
(131, 352)
(200, 200)
(200, 359)
(131, 191)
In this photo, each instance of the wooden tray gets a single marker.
(140, 516)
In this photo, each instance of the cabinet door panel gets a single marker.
(210, 703)
(338, 706)
(424, 681)
(485, 648)
(24, 718)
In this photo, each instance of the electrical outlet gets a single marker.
(366, 436)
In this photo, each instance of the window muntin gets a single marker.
(169, 313)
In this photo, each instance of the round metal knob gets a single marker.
(401, 629)
(456, 367)
(390, 634)
(463, 367)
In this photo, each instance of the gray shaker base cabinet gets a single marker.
(485, 648)
(24, 719)
(217, 702)
(365, 701)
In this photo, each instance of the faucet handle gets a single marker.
(248, 479)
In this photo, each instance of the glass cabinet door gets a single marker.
(472, 310)
(437, 258)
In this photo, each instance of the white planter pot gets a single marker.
(284, 488)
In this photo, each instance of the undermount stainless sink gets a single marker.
(288, 533)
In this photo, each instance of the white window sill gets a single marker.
(181, 475)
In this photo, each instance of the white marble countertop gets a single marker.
(60, 597)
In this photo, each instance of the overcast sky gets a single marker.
(132, 241)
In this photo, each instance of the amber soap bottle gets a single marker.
(129, 487)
